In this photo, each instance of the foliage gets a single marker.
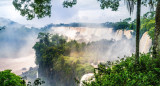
(37, 82)
(67, 4)
(42, 8)
(147, 24)
(10, 79)
(122, 25)
(30, 8)
(55, 62)
(113, 4)
(125, 72)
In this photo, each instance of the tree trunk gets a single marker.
(156, 43)
(138, 29)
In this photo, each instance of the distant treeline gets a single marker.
(147, 24)
(124, 24)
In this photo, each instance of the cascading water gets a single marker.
(37, 74)
(145, 43)
(82, 34)
(86, 34)
(86, 77)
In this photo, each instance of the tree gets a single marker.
(10, 79)
(37, 8)
(114, 4)
(156, 42)
(130, 6)
(42, 8)
(31, 9)
(156, 45)
(138, 28)
(37, 82)
(55, 62)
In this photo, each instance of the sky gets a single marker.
(86, 11)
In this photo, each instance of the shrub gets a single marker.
(125, 72)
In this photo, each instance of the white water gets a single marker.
(85, 34)
(82, 34)
(86, 77)
(145, 43)
(37, 74)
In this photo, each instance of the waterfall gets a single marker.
(86, 77)
(145, 43)
(120, 33)
(37, 75)
(128, 34)
(85, 34)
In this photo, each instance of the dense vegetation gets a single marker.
(62, 62)
(7, 78)
(53, 53)
(121, 25)
(42, 8)
(147, 24)
(125, 72)
(54, 60)
(10, 79)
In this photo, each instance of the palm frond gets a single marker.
(130, 5)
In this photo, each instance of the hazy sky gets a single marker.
(85, 11)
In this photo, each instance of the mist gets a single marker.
(105, 43)
(16, 40)
(15, 43)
